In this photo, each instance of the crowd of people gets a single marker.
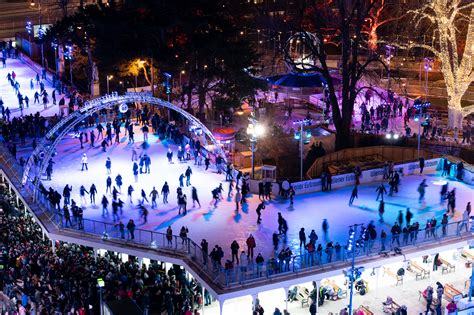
(39, 280)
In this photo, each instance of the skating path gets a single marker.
(24, 74)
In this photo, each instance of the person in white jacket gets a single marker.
(84, 162)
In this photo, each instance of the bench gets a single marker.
(302, 294)
(393, 275)
(365, 310)
(450, 292)
(338, 292)
(423, 272)
(467, 255)
(446, 266)
(392, 309)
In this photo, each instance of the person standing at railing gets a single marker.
(67, 194)
(183, 233)
(250, 246)
(67, 216)
(131, 229)
(205, 251)
(396, 230)
(234, 248)
(169, 236)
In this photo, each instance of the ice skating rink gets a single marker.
(222, 224)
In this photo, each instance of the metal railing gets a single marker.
(248, 271)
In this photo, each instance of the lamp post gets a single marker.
(352, 273)
(68, 55)
(101, 284)
(109, 77)
(419, 107)
(388, 55)
(55, 45)
(40, 30)
(180, 74)
(254, 130)
(428, 67)
(299, 136)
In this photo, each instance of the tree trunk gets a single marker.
(455, 117)
(454, 112)
(202, 100)
(343, 133)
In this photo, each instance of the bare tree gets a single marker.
(344, 20)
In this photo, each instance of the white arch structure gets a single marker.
(63, 127)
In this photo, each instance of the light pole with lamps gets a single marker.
(254, 130)
(101, 284)
(428, 67)
(40, 30)
(300, 136)
(68, 55)
(352, 273)
(180, 74)
(388, 55)
(109, 77)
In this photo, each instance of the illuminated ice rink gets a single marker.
(222, 224)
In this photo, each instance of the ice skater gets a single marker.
(238, 200)
(119, 182)
(84, 162)
(195, 197)
(259, 209)
(108, 165)
(82, 193)
(92, 193)
(105, 203)
(325, 228)
(144, 198)
(354, 195)
(129, 193)
(108, 184)
(188, 174)
(144, 213)
(181, 180)
(380, 192)
(422, 190)
(153, 195)
(169, 155)
(165, 190)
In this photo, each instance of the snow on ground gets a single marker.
(222, 224)
(23, 75)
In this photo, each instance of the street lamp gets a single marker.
(55, 45)
(101, 284)
(300, 135)
(180, 74)
(428, 66)
(388, 55)
(68, 55)
(109, 77)
(254, 130)
(419, 109)
(41, 31)
(352, 273)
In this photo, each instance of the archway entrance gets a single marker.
(33, 171)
